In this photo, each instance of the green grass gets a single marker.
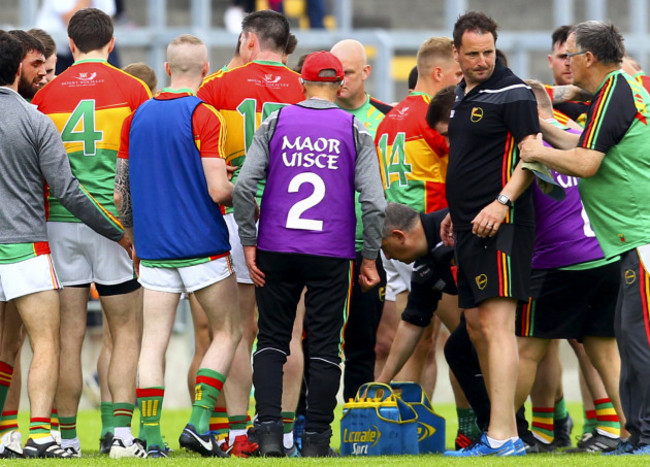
(173, 421)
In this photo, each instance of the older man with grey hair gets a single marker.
(610, 157)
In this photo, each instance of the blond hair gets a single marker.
(432, 51)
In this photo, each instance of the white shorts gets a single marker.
(188, 279)
(398, 277)
(27, 277)
(82, 256)
(237, 251)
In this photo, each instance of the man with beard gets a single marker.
(33, 64)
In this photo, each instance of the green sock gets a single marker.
(151, 401)
(607, 423)
(207, 389)
(9, 422)
(467, 423)
(6, 373)
(122, 414)
(219, 423)
(561, 411)
(287, 419)
(68, 427)
(39, 428)
(54, 421)
(590, 421)
(106, 409)
(543, 426)
(237, 423)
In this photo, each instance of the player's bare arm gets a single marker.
(569, 92)
(122, 193)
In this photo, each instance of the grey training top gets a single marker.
(367, 181)
(31, 153)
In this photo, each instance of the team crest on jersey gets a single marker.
(87, 76)
(630, 276)
(476, 115)
(481, 281)
(270, 79)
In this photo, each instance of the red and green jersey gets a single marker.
(643, 80)
(11, 253)
(412, 156)
(245, 96)
(88, 104)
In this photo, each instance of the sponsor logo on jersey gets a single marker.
(86, 76)
(270, 79)
(400, 114)
(481, 281)
(476, 115)
(630, 276)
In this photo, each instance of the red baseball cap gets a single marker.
(318, 62)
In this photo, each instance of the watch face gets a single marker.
(503, 199)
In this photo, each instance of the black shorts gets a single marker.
(494, 267)
(570, 304)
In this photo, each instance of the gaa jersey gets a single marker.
(643, 80)
(16, 252)
(88, 103)
(371, 113)
(412, 156)
(245, 96)
(617, 197)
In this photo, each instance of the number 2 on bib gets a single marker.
(294, 219)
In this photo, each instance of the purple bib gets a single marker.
(308, 201)
(563, 235)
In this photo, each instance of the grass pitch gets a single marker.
(173, 421)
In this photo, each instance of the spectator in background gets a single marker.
(54, 15)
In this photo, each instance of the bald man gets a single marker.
(365, 307)
(172, 151)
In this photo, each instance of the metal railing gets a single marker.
(519, 45)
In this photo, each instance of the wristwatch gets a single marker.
(503, 199)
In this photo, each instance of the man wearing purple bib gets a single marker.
(573, 296)
(314, 156)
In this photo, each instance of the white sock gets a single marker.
(43, 440)
(124, 433)
(234, 433)
(496, 443)
(607, 434)
(288, 440)
(71, 443)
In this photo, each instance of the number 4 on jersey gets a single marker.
(396, 162)
(83, 116)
